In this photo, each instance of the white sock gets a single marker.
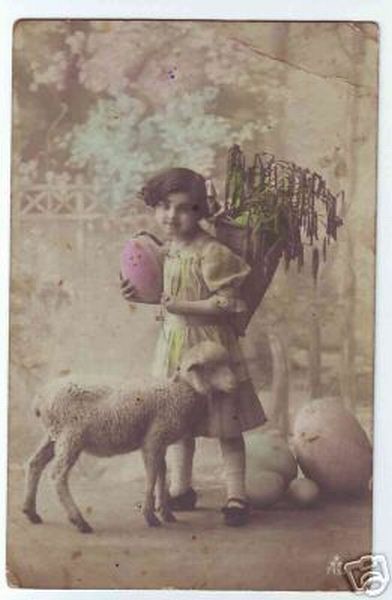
(180, 464)
(233, 453)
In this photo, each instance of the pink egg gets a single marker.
(142, 264)
(332, 448)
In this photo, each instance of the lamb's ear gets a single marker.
(197, 380)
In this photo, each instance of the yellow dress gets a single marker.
(196, 272)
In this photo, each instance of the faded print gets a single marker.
(98, 108)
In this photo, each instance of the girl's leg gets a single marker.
(233, 453)
(181, 461)
(236, 510)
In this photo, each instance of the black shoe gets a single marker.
(183, 502)
(236, 516)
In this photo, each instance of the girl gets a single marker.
(202, 278)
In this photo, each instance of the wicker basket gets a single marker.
(262, 251)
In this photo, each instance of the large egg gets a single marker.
(332, 448)
(268, 451)
(264, 488)
(142, 264)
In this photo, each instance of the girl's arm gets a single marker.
(214, 305)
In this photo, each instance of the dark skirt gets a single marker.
(228, 415)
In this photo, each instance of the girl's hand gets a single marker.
(228, 305)
(128, 290)
(169, 303)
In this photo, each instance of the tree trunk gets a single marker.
(314, 352)
(348, 386)
(280, 383)
(348, 389)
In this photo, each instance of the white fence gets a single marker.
(75, 201)
(67, 201)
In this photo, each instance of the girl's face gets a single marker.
(178, 215)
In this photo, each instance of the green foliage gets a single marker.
(281, 199)
(124, 99)
(125, 145)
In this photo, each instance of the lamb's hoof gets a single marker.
(167, 516)
(152, 520)
(82, 526)
(86, 528)
(32, 516)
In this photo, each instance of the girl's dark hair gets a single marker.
(177, 180)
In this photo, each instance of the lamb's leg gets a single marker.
(152, 454)
(67, 452)
(163, 495)
(36, 465)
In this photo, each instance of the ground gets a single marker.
(283, 548)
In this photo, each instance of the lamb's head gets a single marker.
(207, 367)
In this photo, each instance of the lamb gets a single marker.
(107, 420)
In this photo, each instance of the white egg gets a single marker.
(267, 451)
(264, 488)
(303, 492)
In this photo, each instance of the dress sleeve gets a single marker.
(224, 272)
